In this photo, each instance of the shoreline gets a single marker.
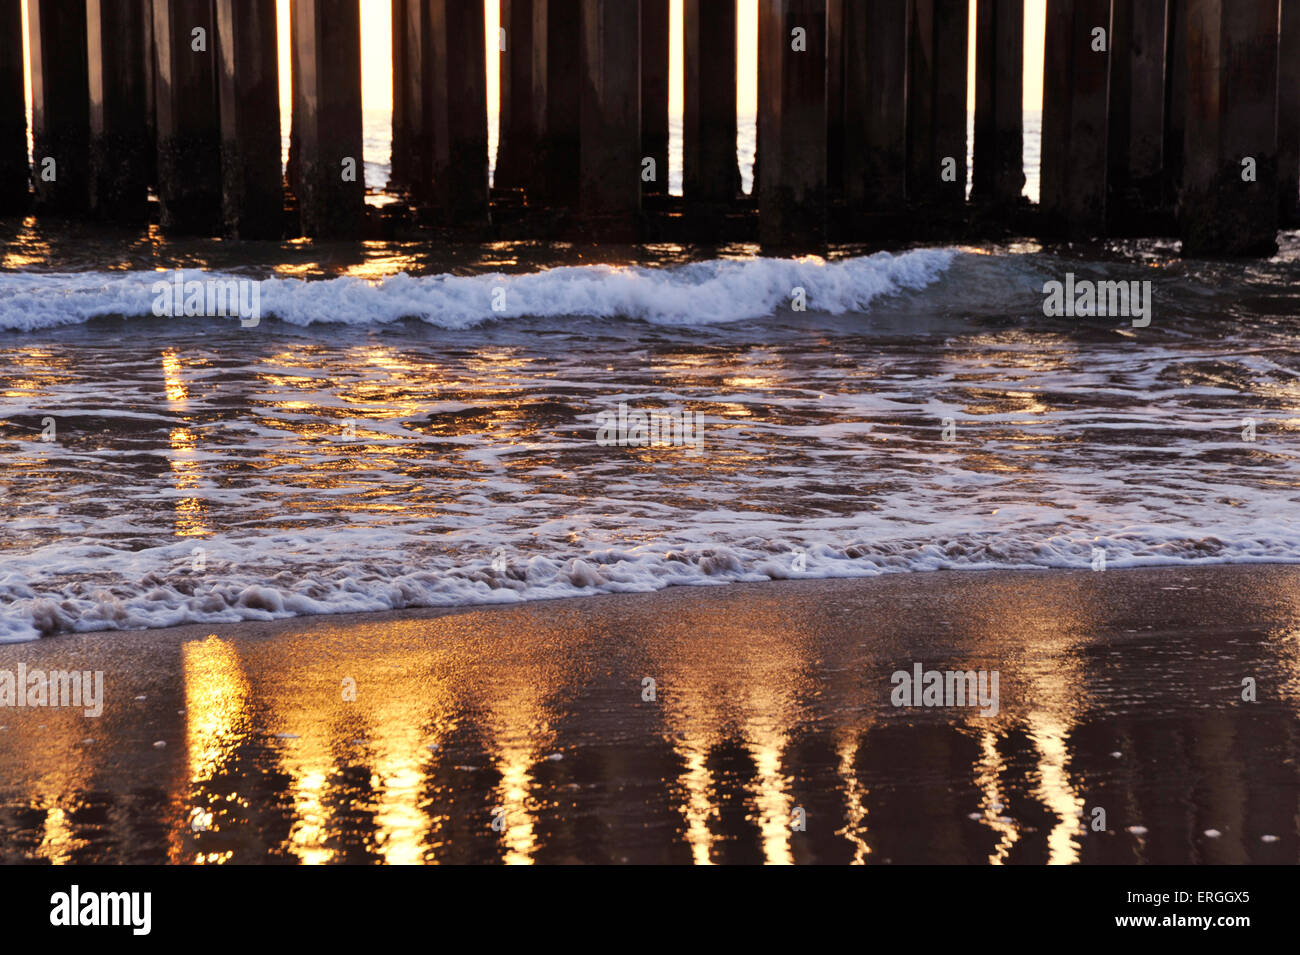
(768, 698)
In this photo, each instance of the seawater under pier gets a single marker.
(1160, 117)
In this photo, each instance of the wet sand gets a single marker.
(524, 733)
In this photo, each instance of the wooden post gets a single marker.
(327, 117)
(455, 103)
(1229, 202)
(60, 105)
(189, 126)
(1136, 119)
(875, 105)
(252, 180)
(1075, 80)
(1175, 100)
(14, 171)
(1288, 115)
(556, 93)
(119, 134)
(936, 104)
(710, 172)
(611, 116)
(654, 93)
(398, 178)
(998, 176)
(792, 124)
(516, 134)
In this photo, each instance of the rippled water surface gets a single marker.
(387, 436)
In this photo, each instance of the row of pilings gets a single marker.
(1159, 116)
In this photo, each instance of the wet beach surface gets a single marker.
(1119, 690)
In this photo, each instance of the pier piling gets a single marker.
(249, 94)
(189, 125)
(792, 124)
(516, 134)
(327, 117)
(610, 147)
(710, 172)
(1076, 68)
(938, 37)
(14, 171)
(119, 134)
(874, 156)
(455, 101)
(998, 176)
(1229, 200)
(60, 106)
(556, 91)
(1135, 133)
(654, 93)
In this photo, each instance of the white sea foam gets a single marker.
(702, 293)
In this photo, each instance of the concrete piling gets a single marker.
(189, 125)
(874, 145)
(60, 106)
(936, 104)
(330, 177)
(792, 124)
(556, 90)
(249, 85)
(1076, 65)
(1135, 133)
(998, 176)
(516, 134)
(610, 108)
(119, 134)
(710, 172)
(654, 93)
(1229, 199)
(14, 171)
(455, 103)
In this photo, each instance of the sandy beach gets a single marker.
(529, 733)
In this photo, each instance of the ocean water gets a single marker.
(409, 426)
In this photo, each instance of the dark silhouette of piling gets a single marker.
(654, 94)
(1076, 60)
(1135, 135)
(189, 126)
(1229, 203)
(1175, 100)
(14, 191)
(119, 134)
(610, 107)
(792, 123)
(516, 134)
(412, 169)
(556, 91)
(329, 175)
(998, 176)
(252, 180)
(874, 147)
(397, 178)
(60, 106)
(936, 104)
(456, 106)
(710, 171)
(1288, 115)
